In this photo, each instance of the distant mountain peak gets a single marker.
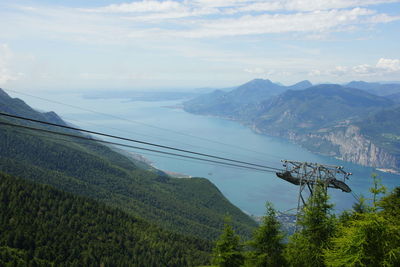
(259, 81)
(306, 82)
(359, 82)
(376, 88)
(3, 94)
(300, 85)
(17, 106)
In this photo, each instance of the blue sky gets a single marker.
(137, 45)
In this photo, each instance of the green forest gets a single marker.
(367, 235)
(80, 202)
(42, 226)
(188, 206)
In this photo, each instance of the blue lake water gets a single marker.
(247, 189)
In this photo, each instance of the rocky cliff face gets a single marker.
(355, 147)
(345, 142)
(348, 144)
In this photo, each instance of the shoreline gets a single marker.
(387, 170)
(258, 131)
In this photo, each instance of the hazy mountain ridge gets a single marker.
(239, 100)
(381, 89)
(190, 206)
(329, 119)
(394, 97)
(19, 107)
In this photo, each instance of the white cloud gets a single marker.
(144, 6)
(312, 5)
(124, 23)
(314, 73)
(177, 26)
(140, 10)
(382, 18)
(6, 74)
(340, 70)
(383, 67)
(121, 76)
(363, 69)
(255, 70)
(263, 73)
(388, 64)
(221, 3)
(235, 6)
(155, 10)
(317, 21)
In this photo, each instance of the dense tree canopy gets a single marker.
(188, 206)
(267, 243)
(370, 238)
(228, 251)
(368, 235)
(40, 225)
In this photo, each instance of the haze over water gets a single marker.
(247, 189)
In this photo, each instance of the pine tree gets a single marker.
(369, 240)
(391, 205)
(376, 189)
(228, 251)
(370, 237)
(305, 248)
(361, 205)
(267, 243)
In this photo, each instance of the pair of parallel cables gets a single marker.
(188, 154)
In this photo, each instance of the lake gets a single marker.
(249, 190)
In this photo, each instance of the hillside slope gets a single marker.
(384, 128)
(315, 108)
(40, 226)
(190, 206)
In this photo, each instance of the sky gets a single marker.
(161, 45)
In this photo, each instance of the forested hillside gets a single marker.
(384, 128)
(315, 108)
(42, 226)
(189, 206)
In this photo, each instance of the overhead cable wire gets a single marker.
(22, 131)
(69, 119)
(356, 197)
(142, 123)
(134, 147)
(137, 141)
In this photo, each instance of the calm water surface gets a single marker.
(249, 190)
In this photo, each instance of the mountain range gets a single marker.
(231, 103)
(331, 119)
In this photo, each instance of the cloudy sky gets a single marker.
(149, 44)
